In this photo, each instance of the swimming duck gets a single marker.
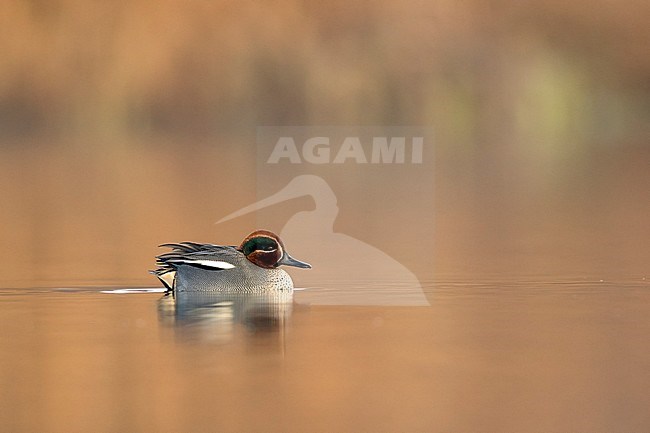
(252, 267)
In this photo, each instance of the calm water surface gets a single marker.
(495, 354)
(538, 318)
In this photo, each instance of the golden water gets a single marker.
(538, 321)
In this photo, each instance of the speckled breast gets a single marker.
(245, 278)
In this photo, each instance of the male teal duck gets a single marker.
(250, 268)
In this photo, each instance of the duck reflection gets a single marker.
(218, 317)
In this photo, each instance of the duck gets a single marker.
(252, 267)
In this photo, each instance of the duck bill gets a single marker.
(287, 260)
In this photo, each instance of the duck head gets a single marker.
(265, 249)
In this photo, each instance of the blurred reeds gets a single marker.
(128, 124)
(478, 70)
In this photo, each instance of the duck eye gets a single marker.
(266, 244)
(260, 244)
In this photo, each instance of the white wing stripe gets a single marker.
(207, 263)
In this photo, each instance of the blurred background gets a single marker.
(126, 125)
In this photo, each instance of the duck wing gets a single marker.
(204, 256)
